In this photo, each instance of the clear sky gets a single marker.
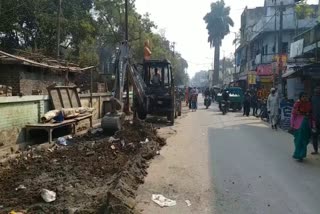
(183, 23)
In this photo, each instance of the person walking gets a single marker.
(316, 116)
(301, 125)
(194, 98)
(254, 103)
(273, 108)
(246, 103)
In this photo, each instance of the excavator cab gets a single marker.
(159, 89)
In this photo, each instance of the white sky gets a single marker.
(183, 23)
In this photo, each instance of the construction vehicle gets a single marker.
(149, 97)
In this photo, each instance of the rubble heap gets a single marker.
(92, 174)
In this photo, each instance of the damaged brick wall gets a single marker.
(9, 76)
(32, 78)
(24, 79)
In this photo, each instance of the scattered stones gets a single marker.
(48, 196)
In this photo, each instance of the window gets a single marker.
(266, 50)
(285, 47)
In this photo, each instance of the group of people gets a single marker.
(250, 101)
(304, 121)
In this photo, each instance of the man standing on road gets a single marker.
(254, 103)
(246, 103)
(273, 108)
(316, 116)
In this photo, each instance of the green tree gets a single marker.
(218, 24)
(303, 10)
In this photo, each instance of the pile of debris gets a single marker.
(5, 91)
(92, 174)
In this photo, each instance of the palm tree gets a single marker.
(218, 25)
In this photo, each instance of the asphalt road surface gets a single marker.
(230, 164)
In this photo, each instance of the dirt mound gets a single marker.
(93, 174)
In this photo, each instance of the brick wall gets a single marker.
(32, 78)
(9, 75)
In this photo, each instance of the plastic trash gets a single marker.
(188, 203)
(48, 196)
(112, 139)
(62, 141)
(146, 141)
(163, 201)
(20, 187)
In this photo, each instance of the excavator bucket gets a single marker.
(112, 121)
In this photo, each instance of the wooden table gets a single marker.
(49, 127)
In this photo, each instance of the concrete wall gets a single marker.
(16, 112)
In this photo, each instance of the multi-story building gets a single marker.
(258, 48)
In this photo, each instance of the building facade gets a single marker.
(259, 43)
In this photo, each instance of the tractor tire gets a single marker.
(180, 109)
(170, 117)
(142, 115)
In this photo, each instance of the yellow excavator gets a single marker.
(150, 96)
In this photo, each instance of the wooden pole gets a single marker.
(59, 30)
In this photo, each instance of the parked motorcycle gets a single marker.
(207, 101)
(224, 107)
(263, 111)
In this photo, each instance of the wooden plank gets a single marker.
(65, 98)
(49, 125)
(73, 96)
(55, 99)
(60, 97)
(69, 98)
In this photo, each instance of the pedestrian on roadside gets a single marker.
(254, 103)
(316, 116)
(246, 103)
(194, 98)
(301, 125)
(186, 97)
(273, 108)
(189, 97)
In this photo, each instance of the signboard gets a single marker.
(286, 109)
(296, 48)
(252, 78)
(264, 70)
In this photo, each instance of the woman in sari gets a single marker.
(301, 123)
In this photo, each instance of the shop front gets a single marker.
(264, 80)
(302, 78)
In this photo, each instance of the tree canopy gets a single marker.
(218, 23)
(87, 26)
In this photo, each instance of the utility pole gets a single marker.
(59, 29)
(126, 21)
(127, 104)
(280, 51)
(275, 40)
(235, 52)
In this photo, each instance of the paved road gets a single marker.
(253, 172)
(231, 165)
